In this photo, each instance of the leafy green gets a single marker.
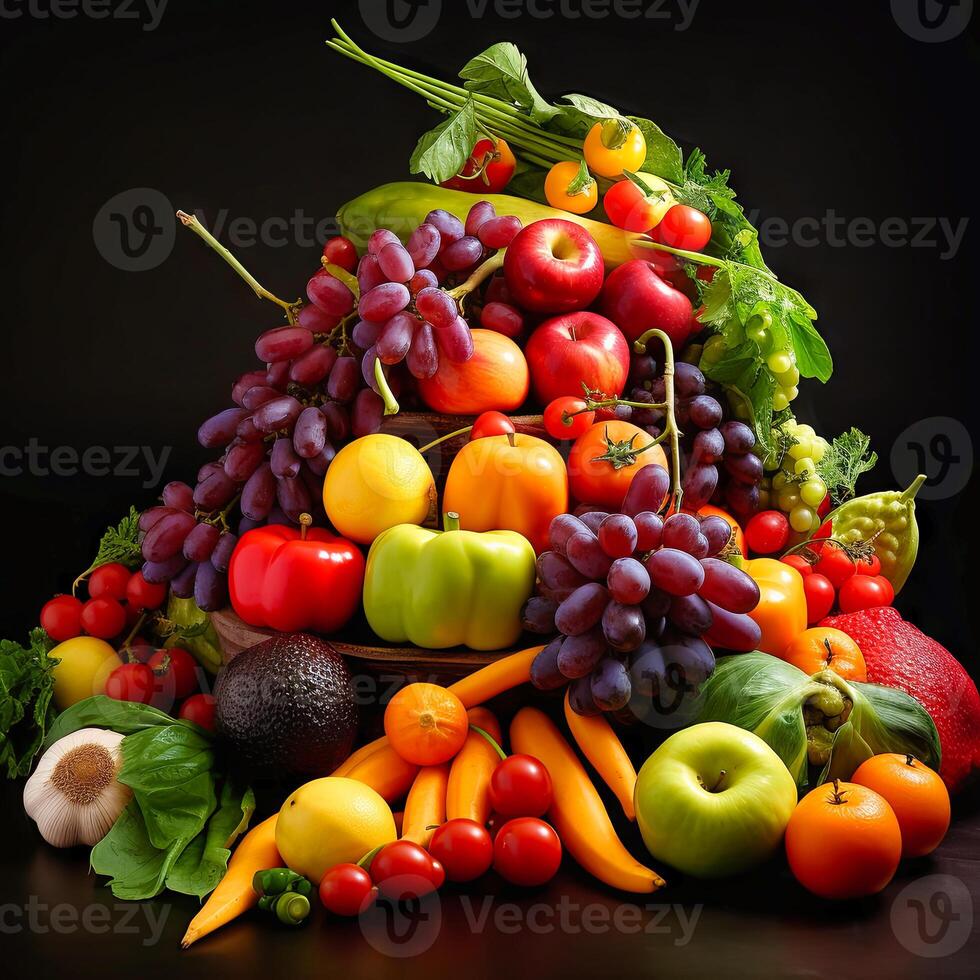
(501, 72)
(577, 114)
(26, 711)
(442, 152)
(847, 457)
(664, 157)
(100, 711)
(120, 544)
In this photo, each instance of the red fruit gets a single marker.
(868, 566)
(900, 655)
(403, 870)
(820, 595)
(130, 682)
(863, 592)
(799, 563)
(346, 889)
(340, 251)
(491, 424)
(636, 299)
(520, 786)
(103, 618)
(526, 851)
(463, 847)
(199, 708)
(109, 581)
(835, 563)
(767, 532)
(176, 672)
(141, 594)
(61, 618)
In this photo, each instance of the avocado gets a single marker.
(286, 707)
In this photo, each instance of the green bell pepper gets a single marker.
(440, 589)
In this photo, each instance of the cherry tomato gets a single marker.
(863, 592)
(609, 148)
(404, 870)
(199, 709)
(799, 563)
(835, 563)
(526, 851)
(130, 682)
(488, 170)
(141, 594)
(683, 227)
(103, 618)
(346, 889)
(109, 581)
(176, 672)
(61, 618)
(868, 566)
(627, 207)
(767, 532)
(464, 849)
(491, 424)
(820, 595)
(567, 418)
(566, 188)
(341, 251)
(520, 786)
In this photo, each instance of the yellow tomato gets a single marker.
(561, 191)
(85, 664)
(374, 483)
(609, 148)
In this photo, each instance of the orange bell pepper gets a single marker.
(781, 612)
(512, 482)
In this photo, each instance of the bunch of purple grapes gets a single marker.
(404, 313)
(719, 464)
(636, 599)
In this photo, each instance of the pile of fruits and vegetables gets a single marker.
(682, 612)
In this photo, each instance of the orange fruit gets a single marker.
(916, 794)
(823, 648)
(426, 724)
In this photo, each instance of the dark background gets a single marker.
(239, 108)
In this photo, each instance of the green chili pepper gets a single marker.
(275, 881)
(291, 908)
(887, 520)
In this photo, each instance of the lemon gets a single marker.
(85, 664)
(374, 483)
(331, 821)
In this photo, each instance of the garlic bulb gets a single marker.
(74, 796)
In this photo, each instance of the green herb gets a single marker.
(26, 711)
(100, 711)
(501, 72)
(847, 457)
(119, 544)
(442, 152)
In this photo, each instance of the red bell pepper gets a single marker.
(289, 580)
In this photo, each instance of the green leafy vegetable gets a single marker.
(664, 157)
(100, 711)
(26, 711)
(501, 72)
(442, 152)
(119, 544)
(847, 457)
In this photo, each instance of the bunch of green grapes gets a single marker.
(792, 483)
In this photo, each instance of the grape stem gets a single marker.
(191, 221)
(479, 275)
(391, 403)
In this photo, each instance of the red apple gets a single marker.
(637, 299)
(553, 266)
(573, 348)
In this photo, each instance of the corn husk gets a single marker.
(822, 727)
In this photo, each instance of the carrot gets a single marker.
(359, 755)
(495, 678)
(425, 808)
(386, 772)
(599, 744)
(468, 793)
(577, 812)
(234, 894)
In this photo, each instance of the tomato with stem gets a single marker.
(131, 682)
(614, 146)
(488, 170)
(567, 417)
(176, 672)
(835, 563)
(630, 207)
(570, 187)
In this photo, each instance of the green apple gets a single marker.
(713, 800)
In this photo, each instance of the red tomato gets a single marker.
(488, 170)
(341, 251)
(103, 618)
(492, 424)
(130, 682)
(109, 581)
(141, 594)
(61, 618)
(863, 592)
(767, 532)
(464, 848)
(868, 566)
(404, 870)
(199, 709)
(526, 851)
(176, 672)
(520, 786)
(799, 563)
(820, 595)
(566, 418)
(683, 227)
(629, 208)
(835, 563)
(346, 889)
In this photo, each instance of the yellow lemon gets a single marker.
(374, 483)
(331, 821)
(85, 664)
